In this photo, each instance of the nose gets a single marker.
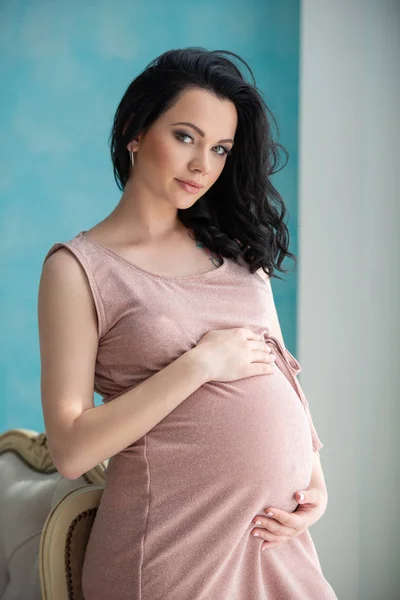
(201, 163)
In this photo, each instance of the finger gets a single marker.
(288, 519)
(251, 334)
(263, 356)
(311, 496)
(268, 545)
(273, 526)
(266, 535)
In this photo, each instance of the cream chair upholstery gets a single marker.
(63, 543)
(42, 512)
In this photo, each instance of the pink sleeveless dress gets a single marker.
(175, 517)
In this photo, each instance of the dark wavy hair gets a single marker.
(242, 214)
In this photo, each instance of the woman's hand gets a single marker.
(232, 354)
(282, 526)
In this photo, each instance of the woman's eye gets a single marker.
(225, 150)
(180, 134)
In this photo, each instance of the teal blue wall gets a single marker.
(64, 67)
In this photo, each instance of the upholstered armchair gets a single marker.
(45, 520)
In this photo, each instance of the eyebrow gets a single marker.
(199, 130)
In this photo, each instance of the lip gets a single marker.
(191, 182)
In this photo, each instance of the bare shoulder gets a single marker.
(62, 261)
(62, 273)
(64, 287)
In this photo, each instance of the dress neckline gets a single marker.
(205, 275)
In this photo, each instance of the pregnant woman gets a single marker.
(165, 308)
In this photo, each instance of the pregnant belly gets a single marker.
(195, 482)
(183, 497)
(248, 437)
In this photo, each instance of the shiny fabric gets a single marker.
(175, 518)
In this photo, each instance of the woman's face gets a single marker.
(168, 152)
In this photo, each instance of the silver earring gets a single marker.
(132, 157)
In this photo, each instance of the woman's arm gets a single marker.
(80, 434)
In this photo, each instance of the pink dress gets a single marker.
(175, 517)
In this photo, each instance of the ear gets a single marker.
(133, 145)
